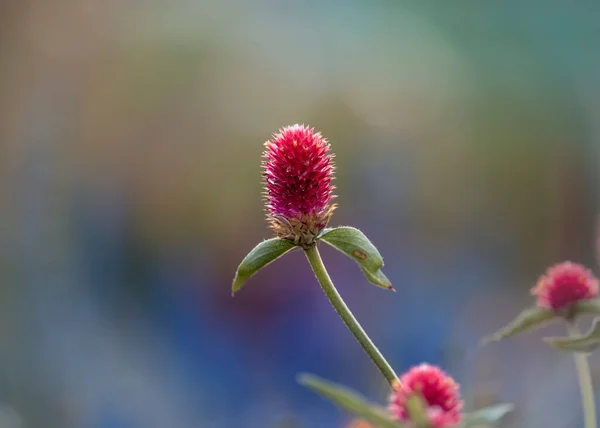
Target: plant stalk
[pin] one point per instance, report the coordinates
(585, 382)
(316, 263)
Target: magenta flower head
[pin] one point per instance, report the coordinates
(298, 174)
(564, 284)
(440, 394)
(298, 171)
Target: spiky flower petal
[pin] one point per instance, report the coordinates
(439, 392)
(298, 171)
(565, 284)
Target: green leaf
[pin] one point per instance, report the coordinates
(357, 246)
(585, 343)
(585, 307)
(417, 412)
(349, 401)
(527, 320)
(263, 254)
(487, 416)
(378, 278)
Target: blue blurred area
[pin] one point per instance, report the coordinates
(467, 148)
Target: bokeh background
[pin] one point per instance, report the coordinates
(467, 137)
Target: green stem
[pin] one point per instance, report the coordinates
(314, 258)
(585, 382)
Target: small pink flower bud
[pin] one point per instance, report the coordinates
(298, 171)
(565, 284)
(440, 394)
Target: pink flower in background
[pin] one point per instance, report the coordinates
(438, 390)
(298, 171)
(565, 284)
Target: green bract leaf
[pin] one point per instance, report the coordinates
(349, 401)
(263, 254)
(357, 246)
(487, 416)
(527, 320)
(585, 343)
(585, 307)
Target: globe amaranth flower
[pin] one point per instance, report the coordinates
(298, 171)
(564, 284)
(439, 392)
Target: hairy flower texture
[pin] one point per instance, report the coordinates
(440, 394)
(565, 284)
(298, 171)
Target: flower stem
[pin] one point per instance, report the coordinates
(585, 382)
(314, 258)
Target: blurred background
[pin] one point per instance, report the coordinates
(467, 137)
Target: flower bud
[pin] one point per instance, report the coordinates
(565, 284)
(439, 392)
(298, 171)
